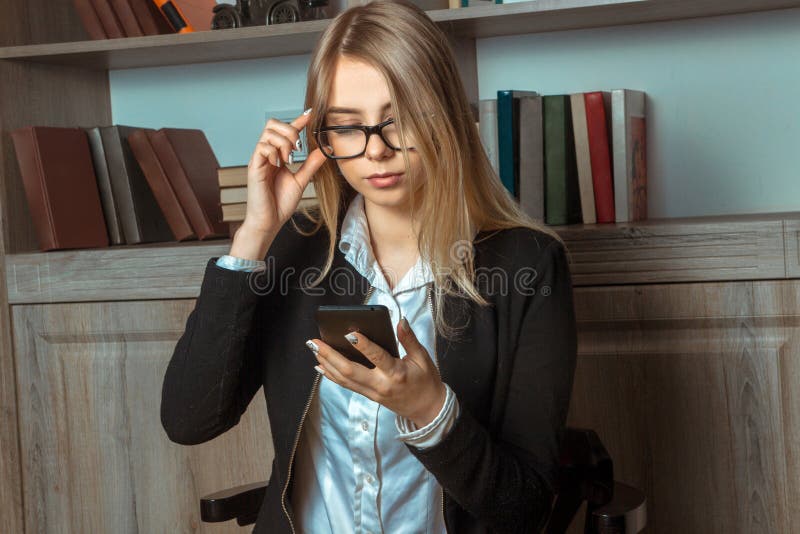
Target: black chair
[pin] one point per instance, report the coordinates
(587, 474)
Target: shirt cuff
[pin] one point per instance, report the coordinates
(435, 431)
(241, 264)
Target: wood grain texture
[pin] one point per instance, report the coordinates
(693, 389)
(669, 250)
(94, 455)
(300, 37)
(791, 236)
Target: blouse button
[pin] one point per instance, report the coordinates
(364, 426)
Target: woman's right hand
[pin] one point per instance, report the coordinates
(273, 191)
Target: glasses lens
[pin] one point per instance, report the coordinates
(342, 143)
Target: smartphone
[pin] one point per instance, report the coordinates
(372, 320)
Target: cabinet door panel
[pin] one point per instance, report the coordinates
(95, 457)
(694, 389)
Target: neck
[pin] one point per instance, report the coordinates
(390, 228)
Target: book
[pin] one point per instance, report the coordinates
(140, 141)
(108, 18)
(60, 187)
(487, 127)
(508, 137)
(531, 157)
(629, 141)
(231, 195)
(236, 175)
(107, 200)
(597, 112)
(562, 198)
(583, 158)
(191, 167)
(127, 18)
(140, 216)
(89, 19)
(236, 212)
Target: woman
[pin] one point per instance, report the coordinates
(462, 433)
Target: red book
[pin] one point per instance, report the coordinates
(109, 19)
(600, 153)
(61, 187)
(127, 18)
(89, 19)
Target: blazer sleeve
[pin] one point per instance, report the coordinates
(215, 369)
(507, 481)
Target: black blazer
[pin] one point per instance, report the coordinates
(511, 370)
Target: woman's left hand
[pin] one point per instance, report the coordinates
(411, 386)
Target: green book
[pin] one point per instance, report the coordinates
(562, 196)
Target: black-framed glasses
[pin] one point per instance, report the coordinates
(345, 142)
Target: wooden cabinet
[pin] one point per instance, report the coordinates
(688, 339)
(94, 456)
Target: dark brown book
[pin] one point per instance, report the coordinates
(61, 188)
(140, 216)
(108, 18)
(107, 199)
(127, 18)
(141, 145)
(150, 18)
(89, 19)
(191, 167)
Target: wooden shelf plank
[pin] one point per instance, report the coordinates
(717, 248)
(301, 37)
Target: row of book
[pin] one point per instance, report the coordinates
(113, 19)
(232, 183)
(115, 185)
(570, 159)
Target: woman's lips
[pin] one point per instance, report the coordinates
(386, 181)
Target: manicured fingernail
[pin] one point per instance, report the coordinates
(319, 369)
(351, 337)
(404, 324)
(279, 162)
(313, 346)
(291, 159)
(299, 144)
(306, 112)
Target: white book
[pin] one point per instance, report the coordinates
(487, 119)
(629, 143)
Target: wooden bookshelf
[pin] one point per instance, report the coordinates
(696, 249)
(299, 38)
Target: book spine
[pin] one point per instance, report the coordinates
(89, 19)
(32, 173)
(127, 18)
(108, 202)
(487, 111)
(531, 157)
(583, 158)
(597, 126)
(506, 140)
(109, 19)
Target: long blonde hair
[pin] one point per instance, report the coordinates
(430, 105)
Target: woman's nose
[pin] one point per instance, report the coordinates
(376, 148)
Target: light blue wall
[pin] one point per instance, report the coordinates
(724, 101)
(228, 101)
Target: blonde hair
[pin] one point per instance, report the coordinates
(430, 105)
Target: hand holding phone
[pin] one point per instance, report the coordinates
(371, 320)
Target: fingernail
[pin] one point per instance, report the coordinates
(404, 324)
(291, 159)
(319, 369)
(279, 162)
(351, 337)
(313, 346)
(299, 144)
(306, 112)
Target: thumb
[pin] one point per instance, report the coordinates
(306, 172)
(409, 340)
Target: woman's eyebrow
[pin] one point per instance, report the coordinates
(338, 110)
